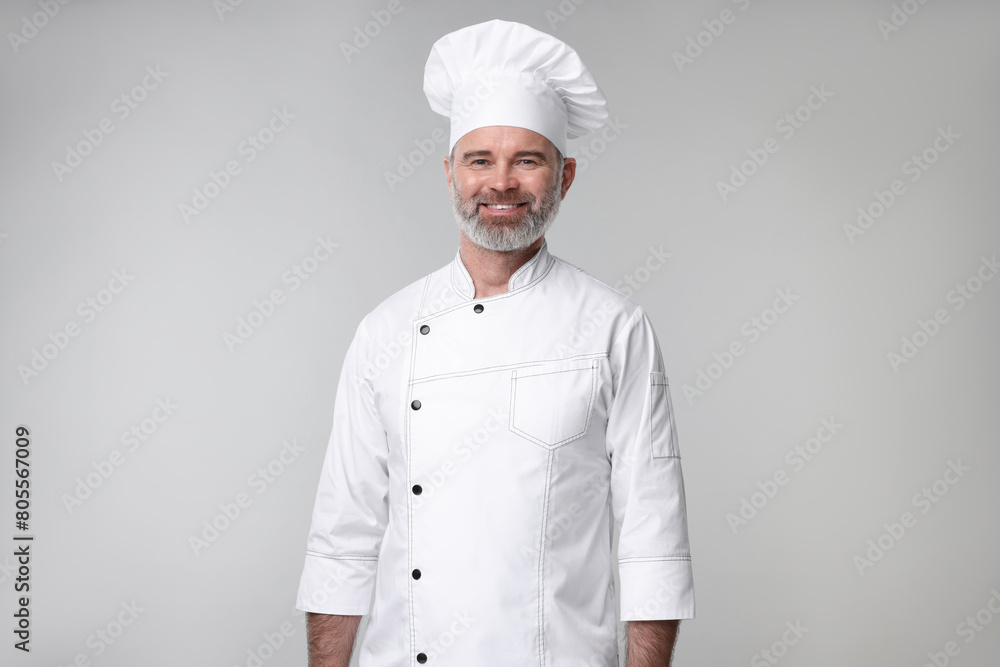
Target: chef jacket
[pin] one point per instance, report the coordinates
(484, 454)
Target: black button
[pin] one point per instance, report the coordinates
(425, 329)
(417, 489)
(421, 658)
(478, 308)
(415, 405)
(416, 574)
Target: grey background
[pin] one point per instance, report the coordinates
(677, 134)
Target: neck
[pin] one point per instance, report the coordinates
(491, 270)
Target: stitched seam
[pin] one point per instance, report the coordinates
(541, 562)
(498, 297)
(649, 559)
(544, 273)
(527, 265)
(319, 554)
(590, 407)
(524, 364)
(457, 271)
(360, 378)
(407, 489)
(653, 395)
(628, 324)
(664, 396)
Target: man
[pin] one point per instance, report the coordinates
(497, 420)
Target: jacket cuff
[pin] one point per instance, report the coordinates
(337, 584)
(655, 589)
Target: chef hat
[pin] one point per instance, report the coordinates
(504, 73)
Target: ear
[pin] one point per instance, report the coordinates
(568, 175)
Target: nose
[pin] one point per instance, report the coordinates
(503, 178)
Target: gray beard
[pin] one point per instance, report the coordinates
(507, 234)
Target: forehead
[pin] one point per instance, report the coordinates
(503, 140)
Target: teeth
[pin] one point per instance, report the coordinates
(502, 207)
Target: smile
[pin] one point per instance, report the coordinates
(502, 207)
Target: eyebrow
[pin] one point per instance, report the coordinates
(470, 155)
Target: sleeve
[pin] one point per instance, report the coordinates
(647, 488)
(351, 510)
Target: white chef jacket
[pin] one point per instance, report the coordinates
(483, 453)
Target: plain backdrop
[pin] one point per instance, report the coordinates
(834, 161)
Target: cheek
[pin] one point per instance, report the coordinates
(470, 187)
(540, 187)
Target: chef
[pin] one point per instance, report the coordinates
(503, 426)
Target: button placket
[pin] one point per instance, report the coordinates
(417, 489)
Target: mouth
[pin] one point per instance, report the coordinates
(503, 209)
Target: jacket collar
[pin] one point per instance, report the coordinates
(532, 270)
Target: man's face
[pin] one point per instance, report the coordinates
(506, 185)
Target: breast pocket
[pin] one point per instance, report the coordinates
(551, 404)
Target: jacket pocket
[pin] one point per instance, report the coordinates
(662, 427)
(551, 403)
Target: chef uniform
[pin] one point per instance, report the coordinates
(486, 451)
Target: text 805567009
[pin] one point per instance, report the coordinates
(22, 543)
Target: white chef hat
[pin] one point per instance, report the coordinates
(505, 73)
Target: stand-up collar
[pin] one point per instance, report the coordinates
(532, 270)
